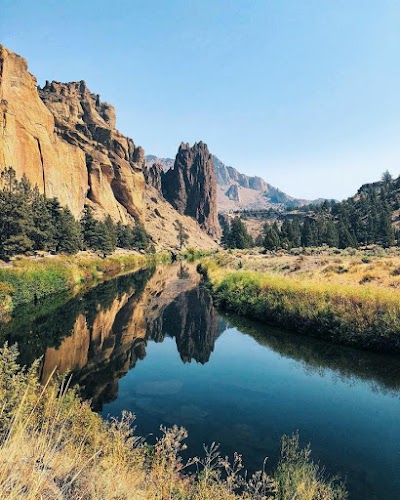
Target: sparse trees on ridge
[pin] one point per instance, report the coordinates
(362, 220)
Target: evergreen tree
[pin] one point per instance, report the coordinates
(15, 215)
(346, 239)
(332, 235)
(69, 237)
(238, 235)
(271, 237)
(307, 234)
(89, 229)
(182, 234)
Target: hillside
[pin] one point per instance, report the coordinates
(371, 216)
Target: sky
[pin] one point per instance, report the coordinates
(304, 93)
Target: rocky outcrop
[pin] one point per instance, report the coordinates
(63, 138)
(113, 163)
(227, 175)
(29, 142)
(191, 186)
(152, 175)
(233, 193)
(237, 191)
(166, 163)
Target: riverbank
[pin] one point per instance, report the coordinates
(27, 280)
(54, 446)
(352, 311)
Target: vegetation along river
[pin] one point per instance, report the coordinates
(153, 343)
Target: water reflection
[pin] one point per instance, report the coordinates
(257, 382)
(101, 334)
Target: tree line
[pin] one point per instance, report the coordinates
(361, 220)
(31, 222)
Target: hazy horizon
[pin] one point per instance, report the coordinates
(302, 94)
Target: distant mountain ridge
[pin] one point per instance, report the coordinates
(237, 191)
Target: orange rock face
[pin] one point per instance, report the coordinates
(64, 140)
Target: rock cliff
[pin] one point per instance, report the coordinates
(233, 193)
(237, 191)
(191, 186)
(29, 142)
(114, 165)
(153, 176)
(63, 138)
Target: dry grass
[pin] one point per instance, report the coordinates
(348, 298)
(373, 267)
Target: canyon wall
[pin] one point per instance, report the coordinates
(64, 140)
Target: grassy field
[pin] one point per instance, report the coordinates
(351, 297)
(28, 280)
(52, 445)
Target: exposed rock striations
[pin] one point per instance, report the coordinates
(233, 192)
(153, 176)
(64, 140)
(113, 162)
(29, 142)
(191, 186)
(237, 191)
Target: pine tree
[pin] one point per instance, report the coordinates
(238, 235)
(69, 238)
(271, 238)
(141, 238)
(182, 234)
(89, 229)
(332, 236)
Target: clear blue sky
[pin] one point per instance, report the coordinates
(305, 93)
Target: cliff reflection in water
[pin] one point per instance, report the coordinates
(102, 334)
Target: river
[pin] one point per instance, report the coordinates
(153, 343)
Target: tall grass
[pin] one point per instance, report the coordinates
(28, 280)
(52, 445)
(362, 316)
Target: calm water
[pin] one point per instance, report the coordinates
(153, 343)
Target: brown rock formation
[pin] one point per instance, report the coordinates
(152, 175)
(191, 186)
(233, 192)
(113, 162)
(28, 140)
(64, 140)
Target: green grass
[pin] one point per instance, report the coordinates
(361, 316)
(29, 280)
(191, 254)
